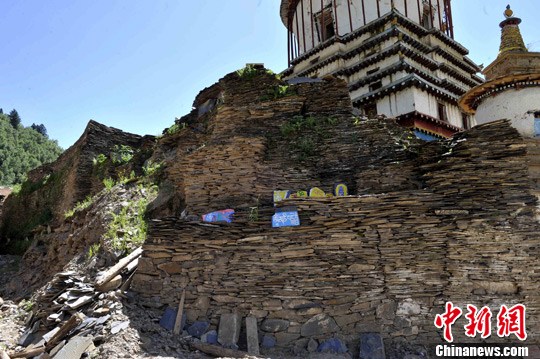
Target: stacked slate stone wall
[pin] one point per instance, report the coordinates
(426, 224)
(53, 189)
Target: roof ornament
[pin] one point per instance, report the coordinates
(508, 12)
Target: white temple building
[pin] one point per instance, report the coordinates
(398, 57)
(512, 88)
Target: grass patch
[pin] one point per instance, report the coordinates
(152, 168)
(248, 72)
(177, 127)
(278, 91)
(127, 229)
(93, 251)
(80, 206)
(306, 133)
(121, 154)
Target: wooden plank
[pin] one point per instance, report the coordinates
(73, 322)
(117, 268)
(28, 353)
(218, 352)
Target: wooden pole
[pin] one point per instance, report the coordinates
(420, 17)
(350, 14)
(378, 9)
(303, 24)
(406, 10)
(323, 29)
(117, 268)
(364, 12)
(336, 17)
(439, 12)
(312, 25)
(180, 313)
(450, 17)
(288, 44)
(431, 13)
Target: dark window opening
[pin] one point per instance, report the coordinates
(370, 110)
(537, 124)
(325, 24)
(466, 122)
(372, 71)
(375, 86)
(427, 16)
(441, 109)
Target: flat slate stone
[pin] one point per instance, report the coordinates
(75, 348)
(169, 317)
(229, 330)
(268, 341)
(318, 325)
(312, 345)
(210, 338)
(333, 345)
(198, 328)
(252, 335)
(371, 346)
(116, 327)
(275, 325)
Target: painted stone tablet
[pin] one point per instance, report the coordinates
(286, 219)
(316, 192)
(341, 190)
(225, 215)
(281, 195)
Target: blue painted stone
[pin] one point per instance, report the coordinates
(225, 215)
(333, 345)
(286, 219)
(341, 190)
(211, 337)
(169, 317)
(371, 346)
(268, 341)
(198, 328)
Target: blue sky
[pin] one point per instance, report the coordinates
(136, 65)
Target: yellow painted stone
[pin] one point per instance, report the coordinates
(316, 192)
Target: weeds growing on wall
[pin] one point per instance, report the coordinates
(80, 206)
(248, 72)
(121, 154)
(127, 229)
(176, 128)
(306, 133)
(278, 91)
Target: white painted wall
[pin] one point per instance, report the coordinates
(397, 103)
(516, 105)
(426, 103)
(306, 31)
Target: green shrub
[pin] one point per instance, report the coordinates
(248, 72)
(121, 154)
(80, 206)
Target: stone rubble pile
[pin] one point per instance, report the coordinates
(73, 312)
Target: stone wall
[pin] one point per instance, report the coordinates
(427, 223)
(53, 189)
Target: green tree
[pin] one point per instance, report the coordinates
(23, 149)
(14, 118)
(40, 129)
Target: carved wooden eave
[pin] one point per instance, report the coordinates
(427, 124)
(400, 20)
(411, 80)
(403, 65)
